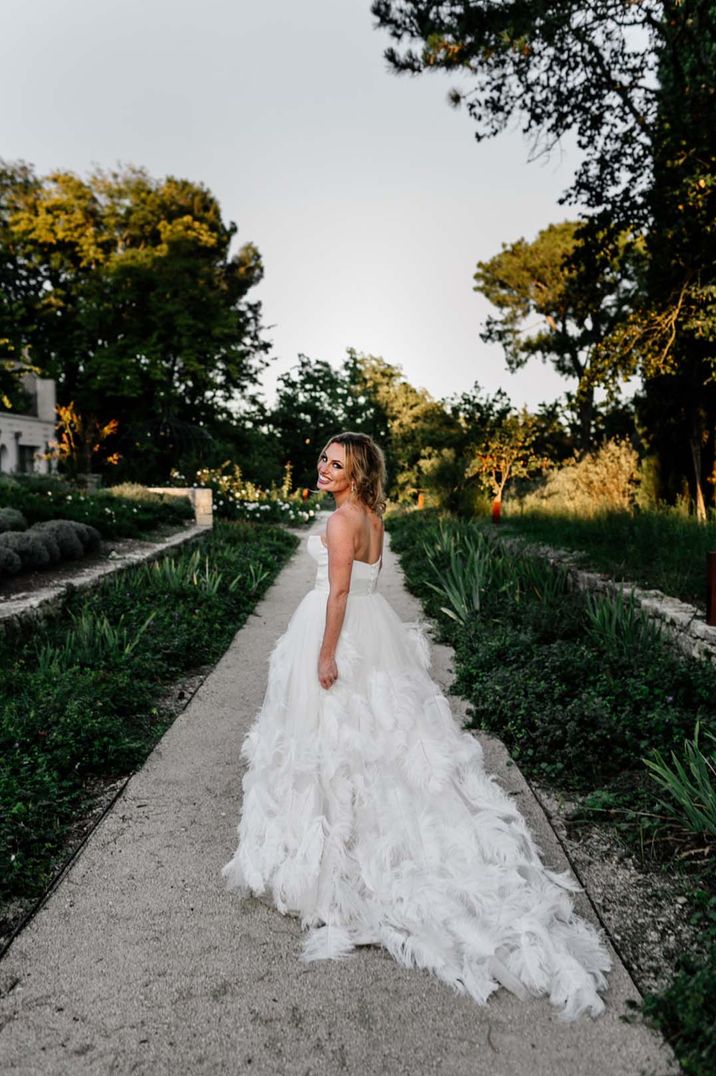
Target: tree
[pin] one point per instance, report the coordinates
(81, 438)
(408, 422)
(310, 407)
(369, 395)
(550, 310)
(636, 84)
(557, 68)
(137, 306)
(506, 451)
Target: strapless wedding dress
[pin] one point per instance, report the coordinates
(368, 814)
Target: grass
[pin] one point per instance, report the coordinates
(661, 549)
(590, 700)
(80, 696)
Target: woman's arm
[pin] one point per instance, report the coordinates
(339, 539)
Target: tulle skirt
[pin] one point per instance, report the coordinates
(368, 814)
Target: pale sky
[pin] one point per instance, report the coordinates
(366, 194)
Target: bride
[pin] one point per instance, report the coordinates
(366, 809)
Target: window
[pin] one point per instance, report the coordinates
(26, 458)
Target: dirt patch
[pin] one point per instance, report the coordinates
(645, 910)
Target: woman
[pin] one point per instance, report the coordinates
(367, 811)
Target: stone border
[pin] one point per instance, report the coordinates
(35, 606)
(684, 623)
(202, 500)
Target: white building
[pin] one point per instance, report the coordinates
(23, 436)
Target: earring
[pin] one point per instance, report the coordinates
(353, 487)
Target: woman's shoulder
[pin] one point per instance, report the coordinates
(354, 516)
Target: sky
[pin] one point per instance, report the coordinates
(367, 195)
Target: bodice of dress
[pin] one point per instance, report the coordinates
(364, 577)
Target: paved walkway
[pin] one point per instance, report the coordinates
(142, 962)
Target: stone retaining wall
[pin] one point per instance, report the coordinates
(35, 605)
(684, 623)
(201, 500)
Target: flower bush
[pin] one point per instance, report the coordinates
(237, 498)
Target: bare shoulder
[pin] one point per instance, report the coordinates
(339, 525)
(340, 531)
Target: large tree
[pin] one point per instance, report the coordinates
(636, 84)
(548, 309)
(369, 395)
(136, 303)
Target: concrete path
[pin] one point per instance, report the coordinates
(142, 962)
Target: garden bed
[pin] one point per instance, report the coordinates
(122, 512)
(86, 696)
(660, 549)
(31, 582)
(581, 692)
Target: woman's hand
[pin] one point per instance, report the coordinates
(327, 670)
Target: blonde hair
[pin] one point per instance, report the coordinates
(365, 466)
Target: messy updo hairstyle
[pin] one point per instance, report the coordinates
(365, 467)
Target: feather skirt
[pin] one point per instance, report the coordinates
(368, 814)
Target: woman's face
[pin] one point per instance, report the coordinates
(332, 475)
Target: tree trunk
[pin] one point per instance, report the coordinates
(586, 418)
(496, 509)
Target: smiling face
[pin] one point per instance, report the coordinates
(332, 476)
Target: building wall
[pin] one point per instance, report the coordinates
(22, 437)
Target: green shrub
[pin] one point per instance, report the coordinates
(617, 624)
(65, 534)
(581, 689)
(41, 498)
(50, 543)
(10, 563)
(88, 535)
(605, 480)
(12, 520)
(237, 498)
(689, 782)
(29, 548)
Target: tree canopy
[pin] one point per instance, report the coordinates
(129, 295)
(636, 84)
(549, 309)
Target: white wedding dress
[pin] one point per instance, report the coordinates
(368, 814)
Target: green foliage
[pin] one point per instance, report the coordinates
(235, 497)
(10, 563)
(663, 548)
(130, 297)
(581, 693)
(690, 784)
(80, 695)
(12, 520)
(462, 573)
(639, 98)
(42, 498)
(28, 547)
(548, 310)
(506, 451)
(685, 1012)
(618, 625)
(602, 480)
(575, 705)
